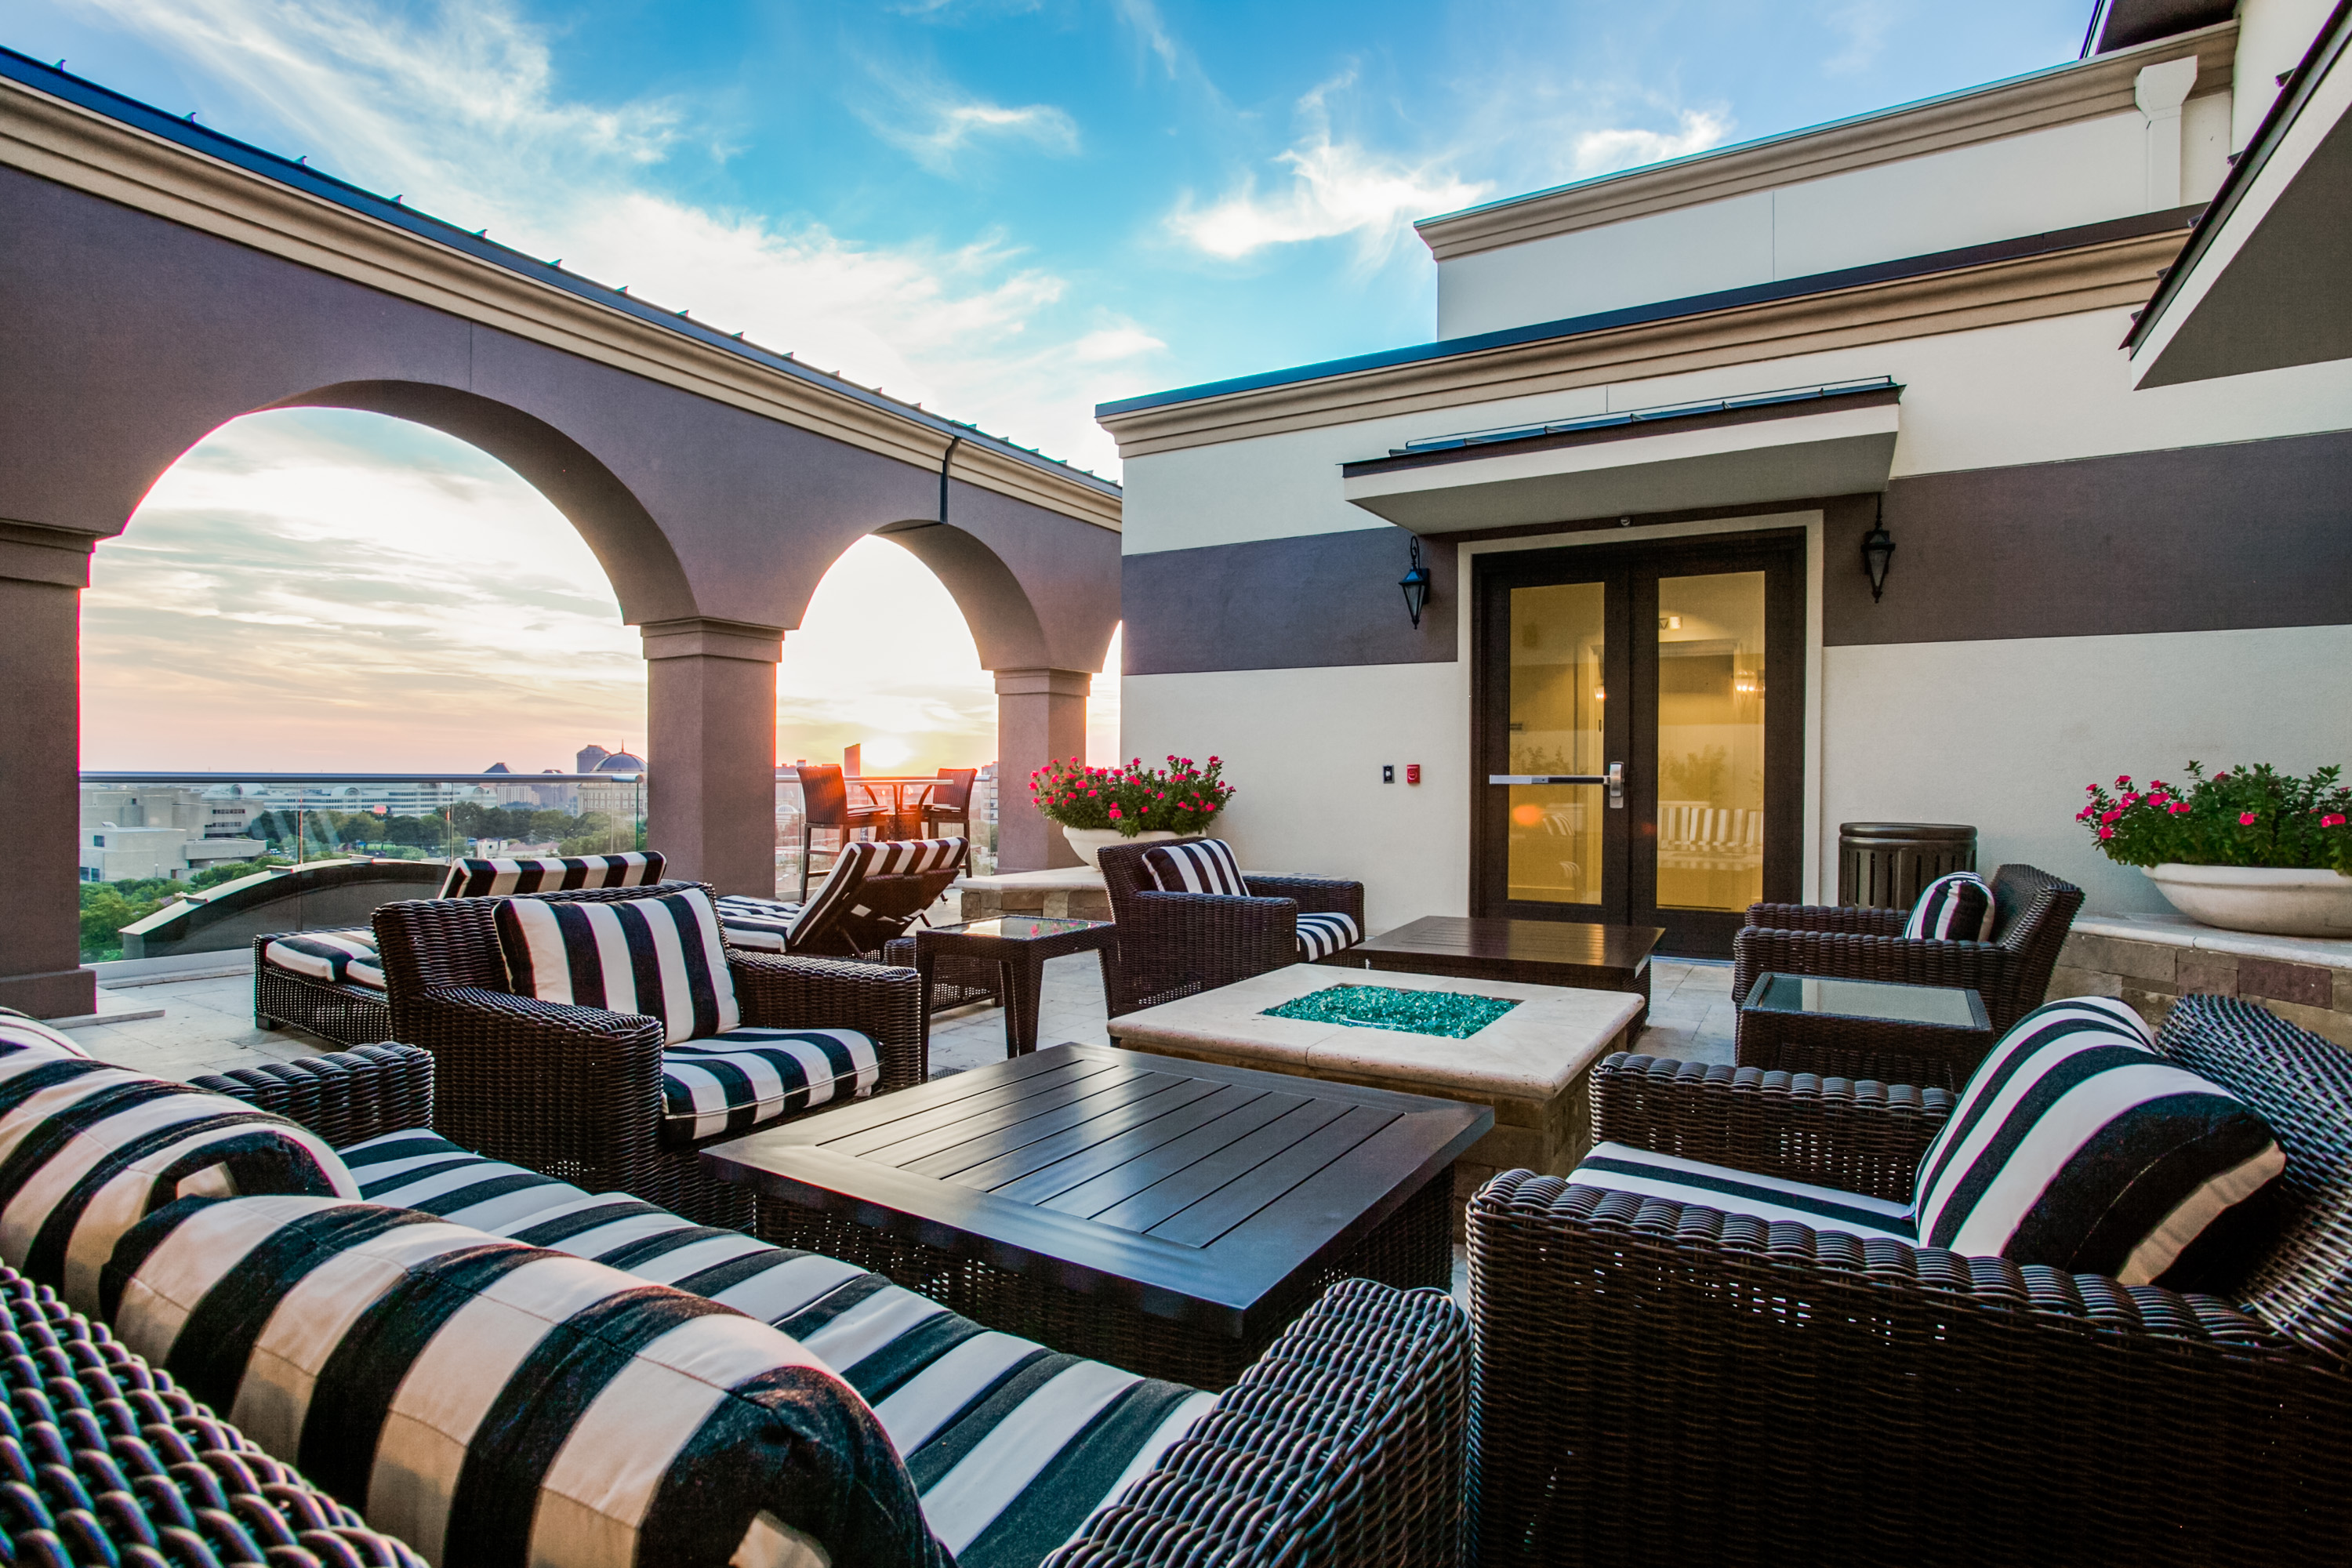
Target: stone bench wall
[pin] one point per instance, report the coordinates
(2308, 983)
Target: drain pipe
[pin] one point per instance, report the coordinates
(944, 461)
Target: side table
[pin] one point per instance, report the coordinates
(1933, 1035)
(1019, 946)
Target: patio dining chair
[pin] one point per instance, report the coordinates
(825, 806)
(951, 801)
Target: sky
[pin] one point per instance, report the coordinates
(1009, 210)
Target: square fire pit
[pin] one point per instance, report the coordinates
(1451, 1014)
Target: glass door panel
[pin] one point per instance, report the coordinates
(1711, 751)
(1557, 698)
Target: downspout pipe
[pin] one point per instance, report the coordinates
(950, 458)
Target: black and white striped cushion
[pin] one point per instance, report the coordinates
(762, 925)
(21, 1033)
(1321, 934)
(1195, 866)
(338, 957)
(996, 1430)
(659, 956)
(86, 1150)
(913, 857)
(471, 879)
(2076, 1146)
(838, 894)
(499, 1404)
(749, 1077)
(1956, 908)
(1622, 1168)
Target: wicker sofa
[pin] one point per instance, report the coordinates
(576, 1092)
(1664, 1382)
(1345, 1444)
(2032, 912)
(1179, 945)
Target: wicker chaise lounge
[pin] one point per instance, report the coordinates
(1174, 944)
(1663, 1382)
(577, 1092)
(2032, 912)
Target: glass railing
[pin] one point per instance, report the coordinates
(174, 863)
(790, 816)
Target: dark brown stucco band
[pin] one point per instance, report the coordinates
(2222, 538)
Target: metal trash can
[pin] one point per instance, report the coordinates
(1883, 865)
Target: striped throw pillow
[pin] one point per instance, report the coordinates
(496, 1403)
(1195, 866)
(2076, 1145)
(1956, 907)
(469, 878)
(87, 1150)
(19, 1032)
(661, 957)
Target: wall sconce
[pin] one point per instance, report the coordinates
(1415, 583)
(1877, 548)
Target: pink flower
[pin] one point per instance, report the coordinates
(2106, 833)
(1114, 814)
(2333, 819)
(2109, 814)
(2247, 818)
(2179, 808)
(2123, 781)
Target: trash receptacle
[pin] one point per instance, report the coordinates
(1883, 865)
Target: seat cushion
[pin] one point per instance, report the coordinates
(835, 896)
(913, 857)
(660, 956)
(1013, 1448)
(1321, 934)
(762, 925)
(1622, 1168)
(471, 879)
(20, 1033)
(2076, 1145)
(337, 957)
(744, 1078)
(1955, 908)
(87, 1150)
(1194, 865)
(494, 1402)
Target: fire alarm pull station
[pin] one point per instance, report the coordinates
(1412, 773)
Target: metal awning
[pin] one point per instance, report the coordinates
(2263, 281)
(1800, 444)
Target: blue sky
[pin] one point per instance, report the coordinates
(1011, 211)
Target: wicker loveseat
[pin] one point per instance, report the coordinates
(2032, 912)
(1344, 1443)
(1665, 1383)
(1179, 945)
(576, 1092)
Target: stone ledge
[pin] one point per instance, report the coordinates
(2151, 961)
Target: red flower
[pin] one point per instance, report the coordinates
(2247, 819)
(2109, 814)
(2123, 781)
(2106, 833)
(2333, 820)
(2177, 808)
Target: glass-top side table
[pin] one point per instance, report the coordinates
(1932, 1035)
(1019, 946)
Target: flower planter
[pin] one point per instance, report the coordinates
(1088, 841)
(2259, 899)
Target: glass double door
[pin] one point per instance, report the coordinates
(1638, 734)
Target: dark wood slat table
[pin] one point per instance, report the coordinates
(1168, 1217)
(1574, 953)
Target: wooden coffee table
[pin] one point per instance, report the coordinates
(1538, 953)
(1168, 1217)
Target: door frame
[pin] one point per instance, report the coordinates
(1633, 568)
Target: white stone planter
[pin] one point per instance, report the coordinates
(1087, 841)
(2259, 898)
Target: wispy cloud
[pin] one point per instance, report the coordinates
(932, 120)
(1143, 18)
(1862, 26)
(1335, 188)
(1627, 147)
(458, 110)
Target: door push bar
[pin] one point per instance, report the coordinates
(1614, 778)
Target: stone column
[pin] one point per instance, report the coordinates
(42, 574)
(1041, 715)
(710, 751)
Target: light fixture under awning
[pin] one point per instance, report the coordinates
(1833, 442)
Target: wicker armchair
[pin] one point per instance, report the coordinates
(1666, 1383)
(576, 1092)
(2032, 912)
(1179, 945)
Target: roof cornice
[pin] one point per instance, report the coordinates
(2079, 90)
(328, 230)
(2115, 271)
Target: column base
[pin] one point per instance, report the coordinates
(59, 994)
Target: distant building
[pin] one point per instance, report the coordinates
(111, 853)
(588, 758)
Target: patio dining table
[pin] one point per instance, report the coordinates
(901, 798)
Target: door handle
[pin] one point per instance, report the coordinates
(1546, 778)
(1615, 779)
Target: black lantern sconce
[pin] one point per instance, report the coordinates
(1415, 583)
(1877, 549)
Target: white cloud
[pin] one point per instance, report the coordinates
(1862, 25)
(1696, 131)
(1335, 188)
(1144, 17)
(932, 121)
(457, 109)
